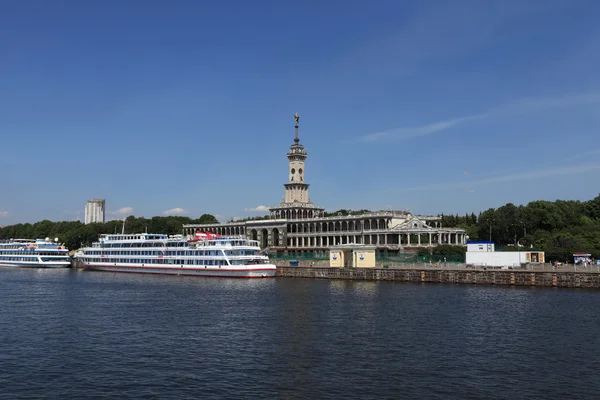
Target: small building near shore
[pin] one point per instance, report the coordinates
(480, 245)
(483, 254)
(582, 258)
(352, 256)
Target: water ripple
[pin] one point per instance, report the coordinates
(71, 335)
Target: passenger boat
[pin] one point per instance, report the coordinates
(204, 254)
(38, 253)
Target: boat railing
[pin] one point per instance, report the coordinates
(17, 241)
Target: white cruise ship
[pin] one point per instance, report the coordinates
(204, 254)
(39, 253)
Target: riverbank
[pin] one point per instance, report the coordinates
(571, 279)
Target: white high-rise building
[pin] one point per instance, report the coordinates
(94, 211)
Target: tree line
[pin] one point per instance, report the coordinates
(75, 234)
(558, 228)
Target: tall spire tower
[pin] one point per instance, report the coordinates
(296, 189)
(296, 202)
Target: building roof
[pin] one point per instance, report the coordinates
(353, 246)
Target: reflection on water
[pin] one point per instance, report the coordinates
(359, 288)
(338, 286)
(74, 334)
(365, 289)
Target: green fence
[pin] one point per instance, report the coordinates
(306, 255)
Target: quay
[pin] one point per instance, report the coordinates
(449, 275)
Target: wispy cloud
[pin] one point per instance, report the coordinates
(584, 154)
(542, 103)
(122, 211)
(3, 213)
(175, 211)
(226, 218)
(405, 133)
(534, 174)
(522, 106)
(432, 33)
(119, 214)
(257, 209)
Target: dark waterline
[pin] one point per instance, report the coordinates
(68, 334)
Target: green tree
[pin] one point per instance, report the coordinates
(75, 234)
(592, 209)
(206, 219)
(448, 250)
(486, 225)
(423, 251)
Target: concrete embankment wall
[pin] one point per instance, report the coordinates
(481, 277)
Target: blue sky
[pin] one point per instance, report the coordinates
(187, 106)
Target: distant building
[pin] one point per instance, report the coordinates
(94, 211)
(297, 225)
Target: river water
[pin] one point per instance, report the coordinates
(68, 334)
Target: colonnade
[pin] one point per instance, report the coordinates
(297, 213)
(317, 234)
(400, 239)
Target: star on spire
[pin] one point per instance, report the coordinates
(296, 121)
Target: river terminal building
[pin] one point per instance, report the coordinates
(297, 225)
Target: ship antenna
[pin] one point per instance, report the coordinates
(123, 228)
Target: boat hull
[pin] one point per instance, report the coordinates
(34, 265)
(262, 271)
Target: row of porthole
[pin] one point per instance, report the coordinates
(115, 264)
